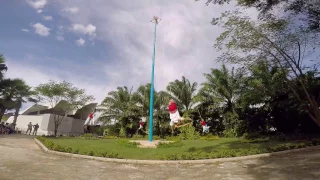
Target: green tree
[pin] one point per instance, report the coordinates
(306, 10)
(247, 42)
(222, 86)
(142, 99)
(183, 92)
(120, 107)
(3, 66)
(63, 97)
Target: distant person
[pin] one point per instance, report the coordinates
(35, 129)
(29, 128)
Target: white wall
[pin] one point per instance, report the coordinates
(23, 121)
(68, 126)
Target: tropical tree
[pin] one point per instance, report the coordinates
(120, 107)
(63, 97)
(307, 11)
(183, 92)
(278, 43)
(142, 99)
(22, 94)
(3, 66)
(222, 86)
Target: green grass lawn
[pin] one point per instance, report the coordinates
(191, 149)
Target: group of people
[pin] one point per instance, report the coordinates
(35, 128)
(176, 119)
(4, 129)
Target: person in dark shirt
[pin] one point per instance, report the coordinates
(35, 129)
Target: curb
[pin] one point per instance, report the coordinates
(202, 161)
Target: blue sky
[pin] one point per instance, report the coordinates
(101, 44)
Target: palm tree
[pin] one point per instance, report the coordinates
(183, 92)
(15, 93)
(222, 86)
(3, 66)
(119, 106)
(142, 99)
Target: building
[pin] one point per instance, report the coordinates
(71, 124)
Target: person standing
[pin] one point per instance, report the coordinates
(35, 129)
(29, 128)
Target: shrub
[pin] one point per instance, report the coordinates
(169, 145)
(287, 146)
(110, 137)
(68, 150)
(252, 135)
(88, 136)
(315, 142)
(91, 153)
(58, 148)
(209, 137)
(257, 140)
(188, 133)
(76, 151)
(230, 133)
(127, 143)
(46, 142)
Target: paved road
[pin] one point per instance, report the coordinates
(21, 158)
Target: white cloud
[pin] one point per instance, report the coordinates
(37, 4)
(47, 18)
(34, 74)
(80, 28)
(25, 30)
(71, 10)
(185, 38)
(80, 42)
(41, 30)
(184, 46)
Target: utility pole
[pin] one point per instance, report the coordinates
(155, 20)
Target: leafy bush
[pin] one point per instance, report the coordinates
(127, 143)
(76, 151)
(69, 150)
(257, 140)
(185, 156)
(46, 142)
(91, 153)
(188, 133)
(173, 138)
(251, 135)
(88, 136)
(287, 146)
(58, 148)
(169, 145)
(209, 137)
(230, 133)
(99, 130)
(315, 142)
(110, 137)
(112, 130)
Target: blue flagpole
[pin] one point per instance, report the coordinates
(152, 82)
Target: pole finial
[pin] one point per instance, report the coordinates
(155, 19)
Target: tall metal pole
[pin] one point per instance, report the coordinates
(155, 20)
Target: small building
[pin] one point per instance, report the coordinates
(72, 123)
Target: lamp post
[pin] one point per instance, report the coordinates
(155, 20)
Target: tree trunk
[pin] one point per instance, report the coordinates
(2, 111)
(16, 114)
(55, 129)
